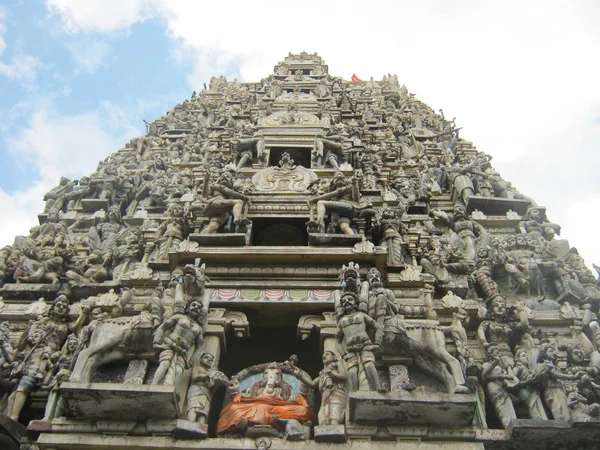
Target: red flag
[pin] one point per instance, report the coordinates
(355, 78)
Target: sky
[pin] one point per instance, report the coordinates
(78, 77)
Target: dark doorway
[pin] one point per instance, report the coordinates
(301, 156)
(279, 232)
(267, 344)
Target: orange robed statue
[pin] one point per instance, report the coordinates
(263, 403)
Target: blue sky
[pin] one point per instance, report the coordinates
(120, 78)
(77, 77)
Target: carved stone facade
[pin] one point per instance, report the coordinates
(292, 263)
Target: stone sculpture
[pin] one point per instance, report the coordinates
(177, 339)
(43, 338)
(203, 384)
(225, 206)
(343, 202)
(263, 403)
(331, 382)
(357, 332)
(466, 295)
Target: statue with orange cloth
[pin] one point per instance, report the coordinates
(266, 402)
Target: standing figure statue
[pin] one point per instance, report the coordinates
(497, 381)
(203, 384)
(528, 386)
(552, 382)
(178, 340)
(393, 236)
(460, 176)
(356, 333)
(42, 339)
(332, 385)
(6, 358)
(63, 363)
(499, 333)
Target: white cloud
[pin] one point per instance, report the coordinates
(21, 67)
(89, 54)
(3, 17)
(64, 145)
(519, 76)
(99, 16)
(57, 145)
(20, 210)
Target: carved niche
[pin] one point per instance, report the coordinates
(286, 178)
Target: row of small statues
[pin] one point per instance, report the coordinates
(532, 262)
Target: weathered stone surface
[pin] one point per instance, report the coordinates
(190, 430)
(497, 206)
(95, 401)
(219, 240)
(11, 432)
(330, 433)
(333, 240)
(412, 408)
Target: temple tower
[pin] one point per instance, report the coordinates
(291, 263)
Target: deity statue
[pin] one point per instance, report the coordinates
(533, 225)
(126, 252)
(90, 269)
(529, 385)
(429, 350)
(465, 228)
(204, 381)
(264, 403)
(503, 328)
(504, 189)
(483, 276)
(552, 381)
(331, 382)
(357, 332)
(42, 339)
(170, 234)
(6, 357)
(497, 380)
(393, 235)
(225, 206)
(178, 341)
(248, 148)
(62, 366)
(328, 149)
(343, 200)
(54, 198)
(460, 175)
(103, 236)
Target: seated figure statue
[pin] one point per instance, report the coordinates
(269, 401)
(343, 201)
(223, 204)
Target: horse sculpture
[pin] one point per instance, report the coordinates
(127, 338)
(421, 340)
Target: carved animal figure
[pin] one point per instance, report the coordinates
(126, 338)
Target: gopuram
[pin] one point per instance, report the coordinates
(303, 262)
